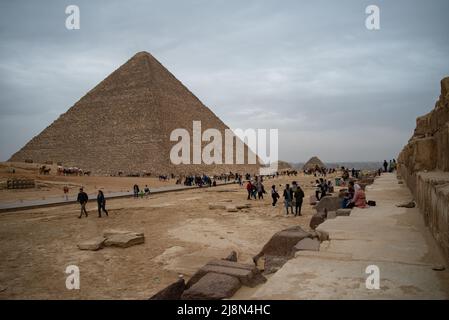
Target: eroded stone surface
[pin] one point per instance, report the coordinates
(212, 286)
(247, 274)
(282, 242)
(172, 292)
(308, 244)
(92, 244)
(330, 203)
(317, 219)
(343, 212)
(124, 240)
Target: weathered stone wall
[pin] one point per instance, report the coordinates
(424, 165)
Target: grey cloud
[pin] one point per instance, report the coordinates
(308, 68)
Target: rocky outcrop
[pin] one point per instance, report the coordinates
(424, 165)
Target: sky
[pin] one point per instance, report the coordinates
(310, 69)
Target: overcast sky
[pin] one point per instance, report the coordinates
(309, 68)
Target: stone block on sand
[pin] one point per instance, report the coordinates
(124, 240)
(172, 292)
(330, 203)
(282, 242)
(213, 286)
(111, 232)
(92, 244)
(247, 274)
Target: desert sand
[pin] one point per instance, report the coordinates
(181, 234)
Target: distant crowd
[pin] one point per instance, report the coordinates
(293, 195)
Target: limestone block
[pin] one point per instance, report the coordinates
(424, 154)
(282, 242)
(172, 292)
(248, 275)
(124, 240)
(92, 244)
(213, 286)
(308, 244)
(317, 219)
(343, 212)
(329, 202)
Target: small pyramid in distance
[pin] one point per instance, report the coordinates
(124, 123)
(312, 163)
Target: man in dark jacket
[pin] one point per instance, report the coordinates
(299, 196)
(82, 199)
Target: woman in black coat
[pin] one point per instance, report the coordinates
(101, 200)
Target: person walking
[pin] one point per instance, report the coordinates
(385, 166)
(288, 197)
(66, 193)
(274, 195)
(260, 190)
(101, 200)
(82, 199)
(249, 188)
(299, 196)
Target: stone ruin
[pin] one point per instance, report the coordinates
(424, 166)
(218, 279)
(221, 279)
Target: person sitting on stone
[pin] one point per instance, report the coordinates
(349, 196)
(359, 199)
(147, 190)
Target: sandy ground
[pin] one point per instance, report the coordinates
(51, 186)
(181, 233)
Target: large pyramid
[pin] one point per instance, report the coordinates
(124, 124)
